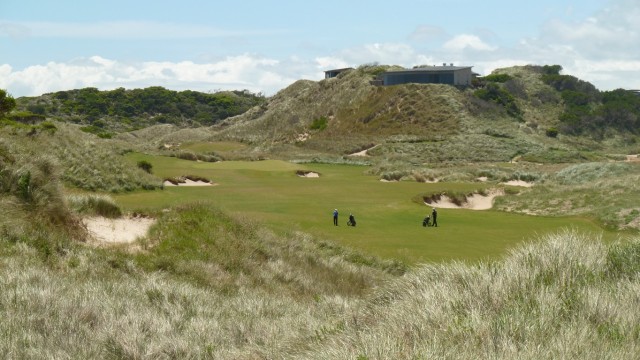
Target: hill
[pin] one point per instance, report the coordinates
(514, 112)
(119, 110)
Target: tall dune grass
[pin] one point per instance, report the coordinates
(94, 204)
(213, 287)
(567, 297)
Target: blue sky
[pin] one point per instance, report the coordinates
(264, 46)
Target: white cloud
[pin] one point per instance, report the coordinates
(387, 53)
(467, 41)
(232, 73)
(330, 62)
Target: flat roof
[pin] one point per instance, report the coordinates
(338, 70)
(429, 69)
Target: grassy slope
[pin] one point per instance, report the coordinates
(415, 123)
(212, 286)
(565, 297)
(85, 161)
(243, 293)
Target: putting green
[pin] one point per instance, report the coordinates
(389, 222)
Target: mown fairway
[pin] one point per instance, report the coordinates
(389, 221)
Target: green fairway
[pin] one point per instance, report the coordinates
(219, 146)
(389, 222)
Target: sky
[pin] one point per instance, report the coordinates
(264, 46)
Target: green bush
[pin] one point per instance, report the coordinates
(319, 123)
(552, 132)
(499, 78)
(494, 93)
(145, 165)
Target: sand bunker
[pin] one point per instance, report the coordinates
(473, 202)
(188, 182)
(518, 183)
(307, 174)
(122, 230)
(632, 157)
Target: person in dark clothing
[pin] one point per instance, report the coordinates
(434, 217)
(352, 220)
(425, 221)
(335, 217)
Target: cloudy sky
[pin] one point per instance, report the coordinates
(265, 45)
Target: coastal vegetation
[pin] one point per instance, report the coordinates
(249, 266)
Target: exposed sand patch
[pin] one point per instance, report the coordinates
(114, 231)
(363, 152)
(632, 157)
(518, 183)
(188, 182)
(302, 137)
(307, 174)
(474, 202)
(482, 178)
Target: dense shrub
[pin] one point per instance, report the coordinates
(319, 123)
(129, 109)
(499, 78)
(492, 92)
(145, 165)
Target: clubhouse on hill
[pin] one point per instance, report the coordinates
(445, 74)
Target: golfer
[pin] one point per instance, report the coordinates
(335, 217)
(434, 217)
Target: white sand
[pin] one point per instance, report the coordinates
(123, 230)
(363, 152)
(632, 157)
(474, 202)
(309, 175)
(518, 183)
(188, 182)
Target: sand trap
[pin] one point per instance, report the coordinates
(518, 183)
(632, 157)
(122, 230)
(188, 182)
(482, 178)
(474, 202)
(307, 174)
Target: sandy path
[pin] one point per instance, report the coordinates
(122, 230)
(363, 152)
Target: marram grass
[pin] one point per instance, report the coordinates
(565, 296)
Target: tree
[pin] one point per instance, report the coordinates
(7, 103)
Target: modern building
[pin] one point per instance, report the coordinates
(445, 74)
(333, 73)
